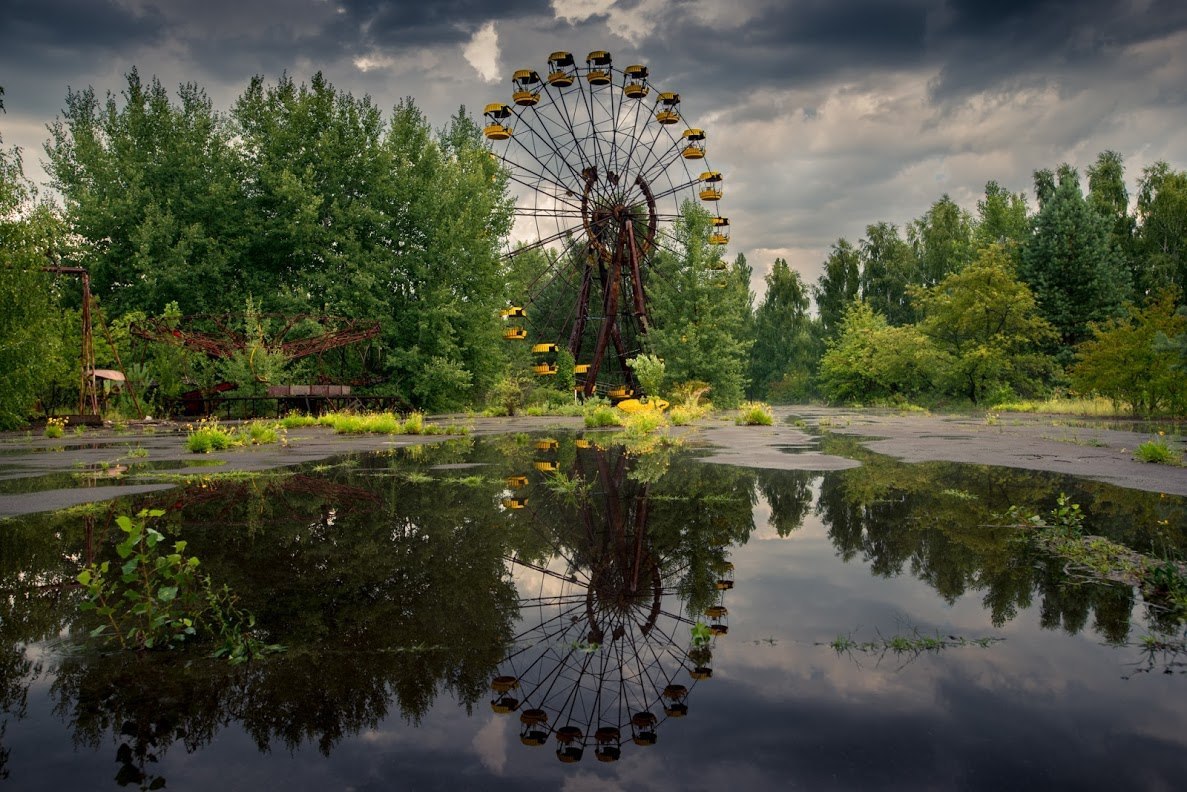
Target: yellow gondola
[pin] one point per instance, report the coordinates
(496, 114)
(581, 368)
(512, 312)
(620, 393)
(608, 744)
(527, 88)
(560, 69)
(543, 349)
(643, 728)
(712, 189)
(721, 231)
(516, 482)
(668, 114)
(694, 144)
(544, 369)
(636, 82)
(534, 731)
(597, 65)
(515, 334)
(514, 503)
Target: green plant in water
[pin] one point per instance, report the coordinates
(156, 599)
(1066, 516)
(701, 634)
(1156, 451)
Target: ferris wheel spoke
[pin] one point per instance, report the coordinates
(548, 142)
(545, 241)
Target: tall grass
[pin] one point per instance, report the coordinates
(1096, 407)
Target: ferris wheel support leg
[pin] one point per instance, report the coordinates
(582, 314)
(611, 309)
(636, 277)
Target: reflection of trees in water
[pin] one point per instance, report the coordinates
(390, 590)
(790, 496)
(620, 595)
(943, 524)
(386, 595)
(37, 600)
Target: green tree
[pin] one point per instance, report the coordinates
(1002, 219)
(30, 232)
(872, 361)
(984, 323)
(155, 192)
(1161, 258)
(1123, 362)
(1107, 194)
(785, 348)
(942, 241)
(445, 285)
(1070, 264)
(887, 270)
(837, 287)
(699, 308)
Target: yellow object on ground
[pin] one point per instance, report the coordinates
(637, 405)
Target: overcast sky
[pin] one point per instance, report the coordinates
(824, 115)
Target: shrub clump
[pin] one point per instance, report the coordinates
(754, 414)
(600, 413)
(1157, 451)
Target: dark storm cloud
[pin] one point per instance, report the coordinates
(46, 45)
(972, 46)
(428, 23)
(68, 27)
(990, 45)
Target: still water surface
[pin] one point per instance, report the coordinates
(675, 624)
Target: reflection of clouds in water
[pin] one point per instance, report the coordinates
(490, 743)
(533, 583)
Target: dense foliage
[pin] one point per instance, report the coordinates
(304, 199)
(978, 308)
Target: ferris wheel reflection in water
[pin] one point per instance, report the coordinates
(612, 640)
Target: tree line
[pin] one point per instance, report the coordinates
(1084, 294)
(304, 199)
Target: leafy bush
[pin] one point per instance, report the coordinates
(649, 371)
(1123, 363)
(600, 413)
(414, 424)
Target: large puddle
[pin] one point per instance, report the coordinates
(462, 616)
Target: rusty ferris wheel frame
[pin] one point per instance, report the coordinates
(602, 161)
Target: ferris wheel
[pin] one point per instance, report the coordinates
(602, 164)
